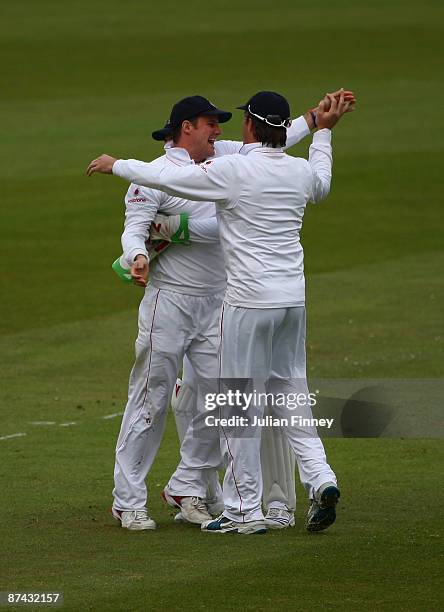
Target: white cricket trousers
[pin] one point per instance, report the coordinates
(267, 346)
(170, 325)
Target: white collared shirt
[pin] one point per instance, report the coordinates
(261, 197)
(194, 269)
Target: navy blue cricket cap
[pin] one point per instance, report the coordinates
(189, 108)
(269, 107)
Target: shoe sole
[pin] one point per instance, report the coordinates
(248, 530)
(276, 525)
(255, 532)
(235, 531)
(326, 515)
(138, 528)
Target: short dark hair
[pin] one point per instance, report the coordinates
(176, 131)
(268, 135)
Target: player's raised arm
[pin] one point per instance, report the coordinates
(320, 160)
(320, 153)
(298, 130)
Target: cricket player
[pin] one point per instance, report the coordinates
(263, 315)
(178, 314)
(277, 459)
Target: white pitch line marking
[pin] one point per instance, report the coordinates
(42, 422)
(17, 435)
(67, 424)
(112, 416)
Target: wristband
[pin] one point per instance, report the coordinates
(120, 267)
(313, 116)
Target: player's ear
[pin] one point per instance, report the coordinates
(248, 124)
(186, 126)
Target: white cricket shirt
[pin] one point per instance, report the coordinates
(261, 197)
(196, 269)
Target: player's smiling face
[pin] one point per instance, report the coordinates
(203, 137)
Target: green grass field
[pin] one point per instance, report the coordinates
(83, 78)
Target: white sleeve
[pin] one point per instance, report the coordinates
(203, 230)
(227, 147)
(320, 159)
(141, 207)
(297, 131)
(212, 181)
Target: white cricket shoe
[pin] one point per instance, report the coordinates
(134, 520)
(225, 525)
(214, 508)
(192, 509)
(279, 518)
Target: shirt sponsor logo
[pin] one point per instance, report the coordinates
(135, 200)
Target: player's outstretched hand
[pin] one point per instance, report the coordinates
(103, 164)
(140, 270)
(329, 118)
(311, 115)
(349, 97)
